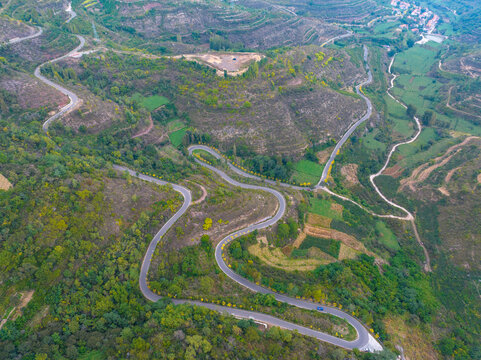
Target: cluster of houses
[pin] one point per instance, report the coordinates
(421, 19)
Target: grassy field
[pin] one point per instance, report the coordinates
(276, 258)
(420, 91)
(386, 28)
(307, 171)
(386, 236)
(329, 246)
(177, 136)
(371, 143)
(401, 123)
(152, 102)
(325, 208)
(175, 125)
(416, 60)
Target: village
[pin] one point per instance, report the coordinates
(420, 19)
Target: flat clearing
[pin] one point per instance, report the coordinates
(276, 258)
(318, 220)
(4, 183)
(416, 60)
(177, 136)
(371, 143)
(325, 208)
(151, 102)
(386, 236)
(329, 246)
(349, 171)
(306, 171)
(175, 125)
(233, 63)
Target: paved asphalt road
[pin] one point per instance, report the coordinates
(17, 40)
(363, 342)
(349, 132)
(72, 96)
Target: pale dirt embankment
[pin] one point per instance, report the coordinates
(4, 183)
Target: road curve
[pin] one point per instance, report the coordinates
(17, 40)
(372, 177)
(364, 341)
(73, 98)
(327, 168)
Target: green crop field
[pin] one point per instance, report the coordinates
(386, 236)
(397, 114)
(386, 27)
(175, 124)
(323, 207)
(419, 91)
(307, 171)
(152, 102)
(371, 143)
(416, 60)
(177, 136)
(329, 246)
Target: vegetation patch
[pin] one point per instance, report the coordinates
(386, 236)
(325, 208)
(318, 220)
(306, 171)
(276, 258)
(177, 136)
(151, 102)
(329, 246)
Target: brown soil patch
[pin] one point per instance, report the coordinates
(147, 130)
(234, 63)
(299, 240)
(202, 197)
(444, 191)
(479, 178)
(294, 82)
(416, 344)
(318, 220)
(4, 183)
(394, 171)
(422, 172)
(349, 171)
(450, 174)
(11, 29)
(323, 155)
(24, 300)
(337, 208)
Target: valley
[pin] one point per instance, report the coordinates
(326, 179)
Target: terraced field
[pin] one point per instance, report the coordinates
(346, 10)
(185, 26)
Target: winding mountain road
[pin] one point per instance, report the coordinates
(363, 342)
(73, 98)
(17, 40)
(327, 167)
